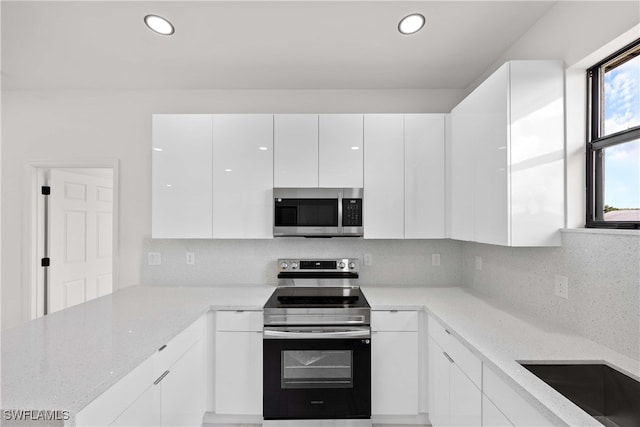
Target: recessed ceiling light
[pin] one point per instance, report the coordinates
(159, 24)
(355, 147)
(411, 24)
(263, 148)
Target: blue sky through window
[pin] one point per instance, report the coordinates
(621, 112)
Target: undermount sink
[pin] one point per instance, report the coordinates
(609, 396)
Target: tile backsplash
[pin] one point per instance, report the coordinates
(253, 262)
(603, 271)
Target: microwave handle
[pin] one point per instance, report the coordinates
(340, 212)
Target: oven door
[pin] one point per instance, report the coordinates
(316, 373)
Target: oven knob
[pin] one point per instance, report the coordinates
(341, 264)
(352, 265)
(294, 265)
(284, 265)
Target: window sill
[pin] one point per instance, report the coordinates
(615, 231)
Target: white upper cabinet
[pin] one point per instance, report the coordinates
(243, 176)
(404, 174)
(341, 150)
(424, 176)
(384, 176)
(181, 175)
(295, 157)
(507, 165)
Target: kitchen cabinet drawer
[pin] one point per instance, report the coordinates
(510, 403)
(240, 320)
(463, 357)
(492, 416)
(174, 349)
(394, 320)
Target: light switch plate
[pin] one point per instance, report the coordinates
(478, 263)
(368, 259)
(562, 286)
(435, 260)
(191, 258)
(154, 258)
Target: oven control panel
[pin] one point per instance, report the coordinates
(351, 265)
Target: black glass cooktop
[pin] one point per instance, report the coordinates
(316, 297)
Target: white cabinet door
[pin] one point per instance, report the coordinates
(384, 176)
(145, 411)
(183, 389)
(424, 176)
(507, 157)
(491, 415)
(439, 386)
(243, 176)
(490, 139)
(181, 176)
(238, 372)
(295, 145)
(462, 173)
(465, 403)
(394, 373)
(341, 150)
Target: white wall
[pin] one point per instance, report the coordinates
(73, 125)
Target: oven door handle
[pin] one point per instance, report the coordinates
(270, 333)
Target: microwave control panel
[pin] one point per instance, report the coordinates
(352, 212)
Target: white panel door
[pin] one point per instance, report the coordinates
(341, 150)
(145, 411)
(424, 170)
(80, 219)
(384, 176)
(465, 399)
(439, 385)
(295, 146)
(243, 176)
(490, 103)
(394, 373)
(238, 373)
(183, 389)
(181, 179)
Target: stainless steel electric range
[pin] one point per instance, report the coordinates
(317, 346)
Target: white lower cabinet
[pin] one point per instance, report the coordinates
(238, 363)
(508, 401)
(394, 363)
(455, 396)
(175, 397)
(145, 411)
(492, 416)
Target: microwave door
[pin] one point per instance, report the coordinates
(305, 217)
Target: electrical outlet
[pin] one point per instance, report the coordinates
(368, 259)
(191, 258)
(435, 260)
(562, 286)
(478, 263)
(154, 258)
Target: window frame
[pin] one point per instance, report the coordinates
(597, 143)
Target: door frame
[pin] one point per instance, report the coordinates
(34, 215)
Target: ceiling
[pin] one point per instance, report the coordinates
(257, 44)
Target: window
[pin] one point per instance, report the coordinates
(613, 146)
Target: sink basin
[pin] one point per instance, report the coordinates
(607, 395)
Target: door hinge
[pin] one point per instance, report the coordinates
(46, 190)
(45, 262)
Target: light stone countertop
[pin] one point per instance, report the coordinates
(501, 338)
(67, 359)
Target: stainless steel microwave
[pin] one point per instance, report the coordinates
(317, 212)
